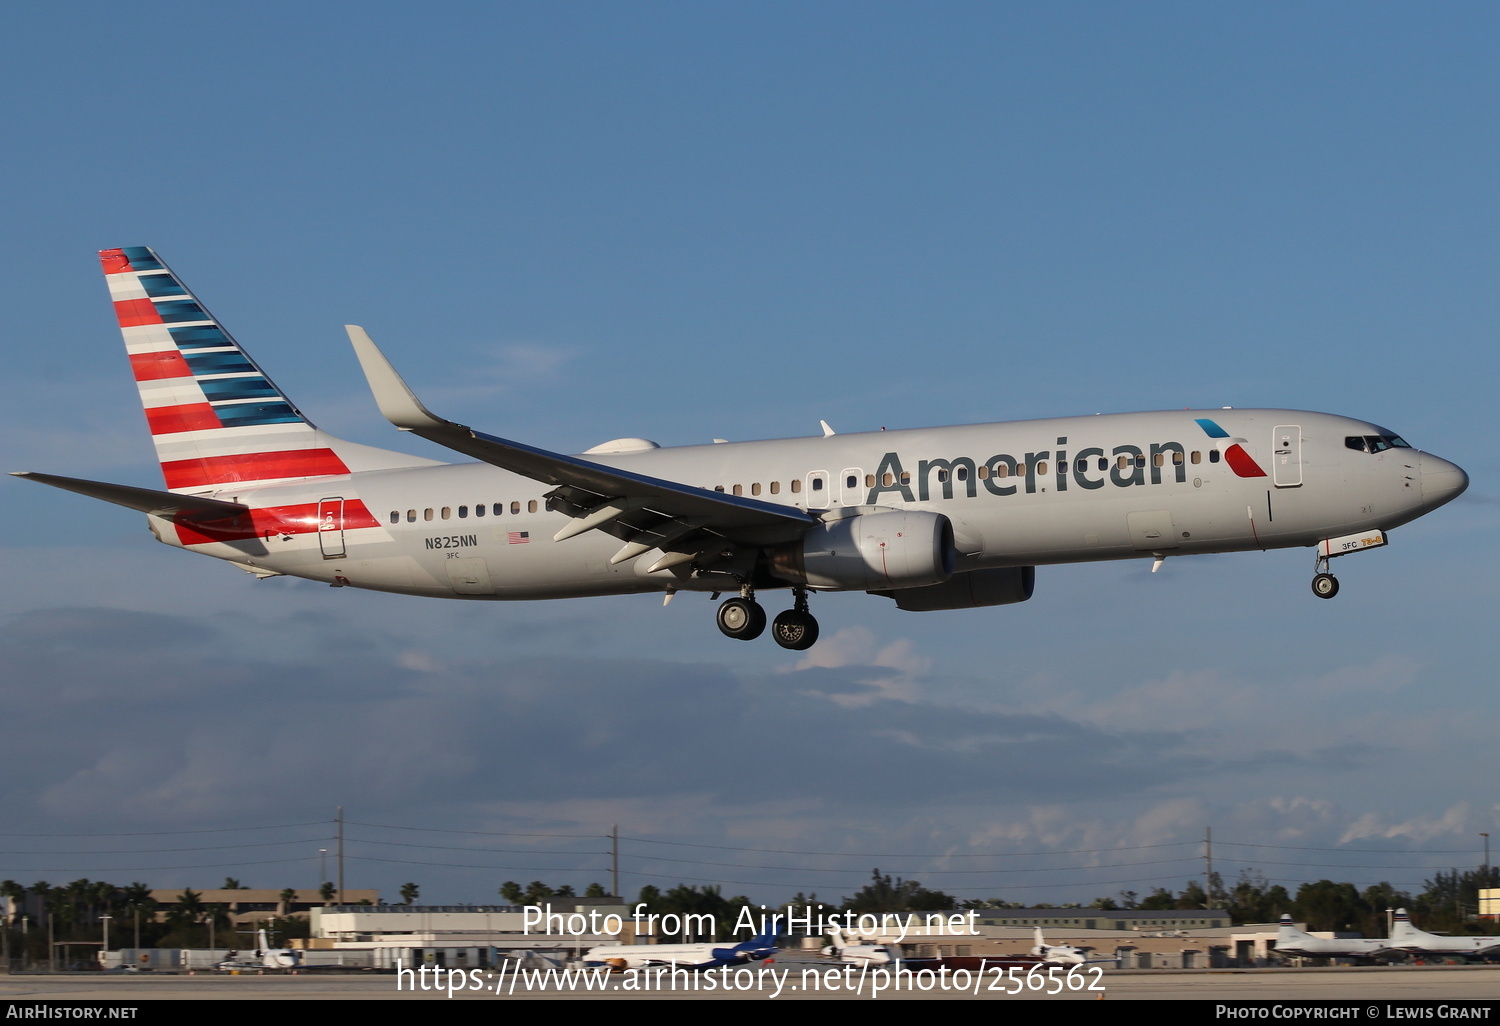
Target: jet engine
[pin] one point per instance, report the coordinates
(897, 549)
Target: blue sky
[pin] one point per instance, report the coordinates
(569, 223)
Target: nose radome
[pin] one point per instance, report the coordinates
(1441, 481)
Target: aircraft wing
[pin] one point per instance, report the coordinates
(645, 512)
(171, 505)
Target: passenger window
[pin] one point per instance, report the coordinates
(1123, 463)
(395, 516)
(427, 513)
(531, 506)
(755, 488)
(962, 473)
(718, 488)
(797, 485)
(850, 481)
(447, 512)
(1176, 458)
(1083, 466)
(463, 512)
(906, 477)
(739, 490)
(411, 516)
(1041, 467)
(498, 509)
(817, 484)
(515, 508)
(1002, 470)
(888, 479)
(775, 487)
(942, 476)
(1103, 464)
(479, 510)
(1140, 462)
(1213, 455)
(1197, 457)
(1160, 459)
(869, 480)
(983, 471)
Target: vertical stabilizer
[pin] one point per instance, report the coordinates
(215, 416)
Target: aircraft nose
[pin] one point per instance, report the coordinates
(1441, 481)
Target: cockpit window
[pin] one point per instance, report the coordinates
(1376, 443)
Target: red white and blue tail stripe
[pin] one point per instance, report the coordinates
(215, 416)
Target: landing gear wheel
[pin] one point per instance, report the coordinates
(742, 619)
(795, 629)
(1325, 586)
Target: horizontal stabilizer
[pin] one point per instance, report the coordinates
(173, 506)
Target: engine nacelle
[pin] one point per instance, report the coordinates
(871, 551)
(969, 591)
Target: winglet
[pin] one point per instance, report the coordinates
(828, 432)
(395, 398)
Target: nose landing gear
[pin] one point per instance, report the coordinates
(1324, 584)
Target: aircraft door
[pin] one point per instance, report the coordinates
(816, 489)
(331, 527)
(850, 492)
(1286, 455)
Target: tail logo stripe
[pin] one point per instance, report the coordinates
(257, 466)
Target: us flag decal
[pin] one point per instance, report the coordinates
(517, 537)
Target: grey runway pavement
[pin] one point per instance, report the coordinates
(1364, 987)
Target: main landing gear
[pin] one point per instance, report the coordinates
(744, 619)
(1324, 584)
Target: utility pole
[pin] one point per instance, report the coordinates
(1208, 872)
(614, 859)
(341, 855)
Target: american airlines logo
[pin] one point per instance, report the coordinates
(1124, 466)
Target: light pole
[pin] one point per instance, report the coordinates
(105, 919)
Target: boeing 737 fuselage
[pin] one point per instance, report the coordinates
(934, 518)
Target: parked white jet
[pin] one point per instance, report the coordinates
(681, 956)
(1292, 941)
(1407, 937)
(263, 957)
(934, 518)
(1062, 954)
(859, 952)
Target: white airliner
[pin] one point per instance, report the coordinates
(1406, 937)
(681, 956)
(1292, 941)
(933, 518)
